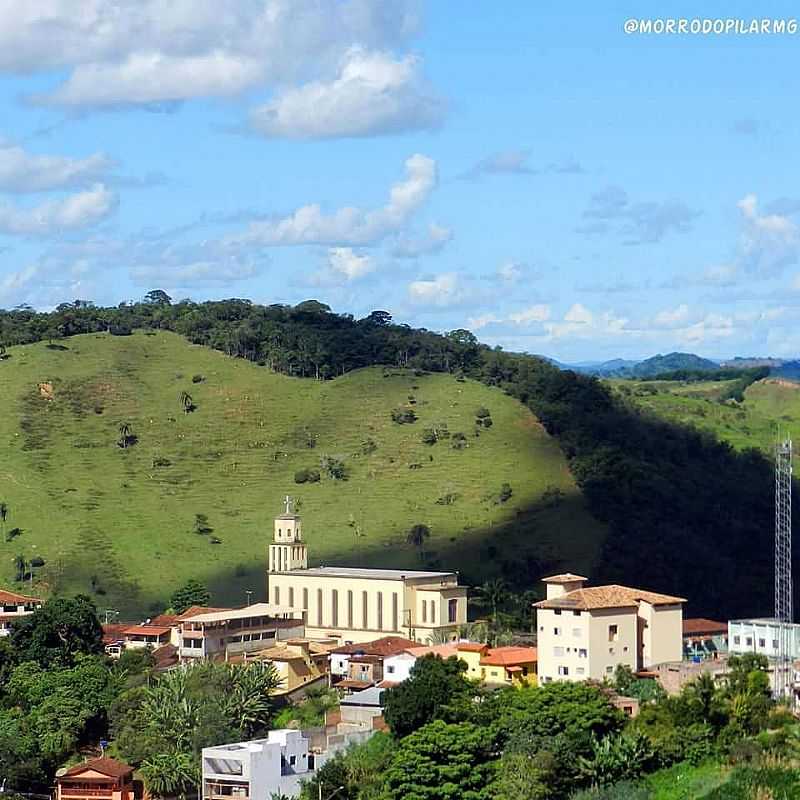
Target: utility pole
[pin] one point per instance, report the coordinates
(784, 611)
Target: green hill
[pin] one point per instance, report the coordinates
(120, 524)
(771, 408)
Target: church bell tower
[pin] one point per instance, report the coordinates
(287, 551)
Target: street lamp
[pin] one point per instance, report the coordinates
(335, 791)
(249, 593)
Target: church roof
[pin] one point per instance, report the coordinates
(359, 572)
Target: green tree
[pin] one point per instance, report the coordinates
(493, 594)
(158, 297)
(417, 536)
(55, 634)
(192, 593)
(187, 403)
(435, 689)
(444, 761)
(170, 774)
(126, 436)
(3, 517)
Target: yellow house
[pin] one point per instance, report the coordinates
(586, 632)
(357, 605)
(505, 666)
(297, 661)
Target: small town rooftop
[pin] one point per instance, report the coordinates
(612, 596)
(254, 610)
(374, 574)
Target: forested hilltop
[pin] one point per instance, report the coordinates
(685, 512)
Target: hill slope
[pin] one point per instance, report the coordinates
(119, 523)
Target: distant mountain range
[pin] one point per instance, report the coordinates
(789, 369)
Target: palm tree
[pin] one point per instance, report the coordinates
(493, 593)
(124, 434)
(3, 516)
(187, 402)
(417, 536)
(21, 565)
(169, 774)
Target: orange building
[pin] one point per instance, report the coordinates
(98, 779)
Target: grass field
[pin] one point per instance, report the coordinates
(119, 524)
(771, 408)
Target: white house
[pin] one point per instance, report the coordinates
(762, 636)
(258, 769)
(15, 606)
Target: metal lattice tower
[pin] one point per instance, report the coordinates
(784, 610)
(783, 531)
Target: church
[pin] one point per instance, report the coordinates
(359, 605)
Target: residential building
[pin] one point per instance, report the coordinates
(500, 666)
(222, 633)
(144, 635)
(362, 709)
(15, 606)
(397, 668)
(259, 769)
(358, 605)
(114, 638)
(586, 632)
(384, 647)
(704, 638)
(98, 779)
(299, 663)
(761, 636)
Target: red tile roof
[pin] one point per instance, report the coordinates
(165, 656)
(472, 647)
(695, 627)
(114, 631)
(565, 577)
(106, 766)
(146, 630)
(386, 646)
(509, 656)
(612, 596)
(165, 619)
(12, 598)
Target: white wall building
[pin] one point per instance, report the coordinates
(15, 606)
(258, 769)
(761, 636)
(586, 632)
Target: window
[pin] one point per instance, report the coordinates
(737, 639)
(433, 611)
(195, 644)
(319, 607)
(556, 631)
(762, 643)
(424, 610)
(396, 612)
(576, 613)
(611, 651)
(774, 644)
(305, 599)
(609, 669)
(576, 632)
(349, 608)
(579, 670)
(558, 652)
(582, 652)
(291, 597)
(292, 760)
(749, 641)
(557, 612)
(277, 595)
(365, 610)
(380, 611)
(452, 610)
(390, 670)
(563, 670)
(335, 607)
(613, 633)
(625, 649)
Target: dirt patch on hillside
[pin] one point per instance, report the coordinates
(782, 382)
(46, 391)
(529, 423)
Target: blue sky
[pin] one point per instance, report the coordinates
(525, 170)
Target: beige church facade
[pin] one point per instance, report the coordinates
(359, 605)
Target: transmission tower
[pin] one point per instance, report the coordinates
(783, 565)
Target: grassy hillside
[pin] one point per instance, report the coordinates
(771, 408)
(120, 523)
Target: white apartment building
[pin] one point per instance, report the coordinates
(761, 636)
(259, 769)
(586, 632)
(353, 604)
(220, 633)
(15, 606)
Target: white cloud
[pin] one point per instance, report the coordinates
(769, 242)
(56, 216)
(672, 318)
(530, 315)
(433, 241)
(111, 53)
(349, 225)
(21, 171)
(345, 262)
(442, 290)
(373, 93)
(510, 272)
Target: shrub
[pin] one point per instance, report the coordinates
(368, 446)
(505, 493)
(307, 476)
(483, 413)
(198, 378)
(447, 499)
(429, 436)
(333, 467)
(403, 416)
(459, 441)
(487, 422)
(37, 561)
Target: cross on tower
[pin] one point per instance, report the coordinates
(288, 500)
